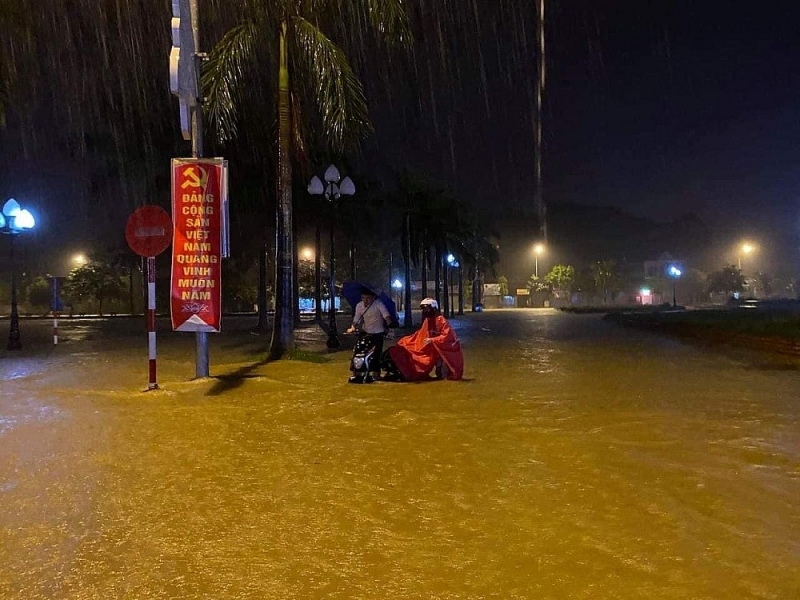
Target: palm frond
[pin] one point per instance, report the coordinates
(298, 134)
(224, 78)
(390, 19)
(338, 93)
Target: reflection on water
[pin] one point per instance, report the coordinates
(19, 368)
(6, 422)
(577, 460)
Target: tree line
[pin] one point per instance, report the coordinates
(605, 279)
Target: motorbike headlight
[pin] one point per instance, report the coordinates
(358, 362)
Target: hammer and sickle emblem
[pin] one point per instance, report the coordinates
(193, 179)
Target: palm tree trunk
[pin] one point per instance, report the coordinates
(425, 271)
(460, 288)
(352, 269)
(352, 260)
(295, 280)
(263, 322)
(283, 327)
(437, 274)
(446, 282)
(407, 321)
(476, 296)
(132, 266)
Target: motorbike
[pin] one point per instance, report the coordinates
(389, 368)
(361, 361)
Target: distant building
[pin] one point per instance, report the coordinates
(659, 282)
(659, 269)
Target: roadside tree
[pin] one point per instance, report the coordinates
(40, 295)
(537, 284)
(283, 41)
(728, 280)
(604, 274)
(93, 282)
(764, 283)
(502, 281)
(562, 277)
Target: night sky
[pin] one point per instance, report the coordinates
(687, 107)
(657, 108)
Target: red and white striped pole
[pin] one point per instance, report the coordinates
(151, 320)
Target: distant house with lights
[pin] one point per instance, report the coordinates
(659, 277)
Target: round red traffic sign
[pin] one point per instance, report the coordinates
(149, 230)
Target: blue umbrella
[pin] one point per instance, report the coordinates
(352, 290)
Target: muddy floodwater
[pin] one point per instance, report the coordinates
(578, 459)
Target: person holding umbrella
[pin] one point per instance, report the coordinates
(373, 319)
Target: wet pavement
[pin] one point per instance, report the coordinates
(578, 459)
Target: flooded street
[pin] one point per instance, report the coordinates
(577, 459)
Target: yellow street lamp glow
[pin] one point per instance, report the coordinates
(746, 248)
(307, 253)
(537, 250)
(79, 259)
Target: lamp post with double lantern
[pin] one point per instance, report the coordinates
(333, 188)
(14, 220)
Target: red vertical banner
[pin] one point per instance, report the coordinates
(198, 194)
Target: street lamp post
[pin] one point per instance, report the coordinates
(398, 288)
(318, 274)
(448, 304)
(13, 221)
(455, 264)
(745, 249)
(460, 289)
(333, 189)
(675, 273)
(307, 257)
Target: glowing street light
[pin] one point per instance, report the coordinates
(397, 285)
(537, 250)
(79, 259)
(450, 262)
(13, 221)
(453, 262)
(307, 254)
(675, 273)
(746, 248)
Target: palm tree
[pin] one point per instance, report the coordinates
(430, 222)
(603, 274)
(475, 244)
(411, 196)
(284, 37)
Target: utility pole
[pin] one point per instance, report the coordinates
(201, 357)
(541, 210)
(185, 61)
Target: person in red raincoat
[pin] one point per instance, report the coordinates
(434, 347)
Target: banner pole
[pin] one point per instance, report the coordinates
(201, 337)
(151, 320)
